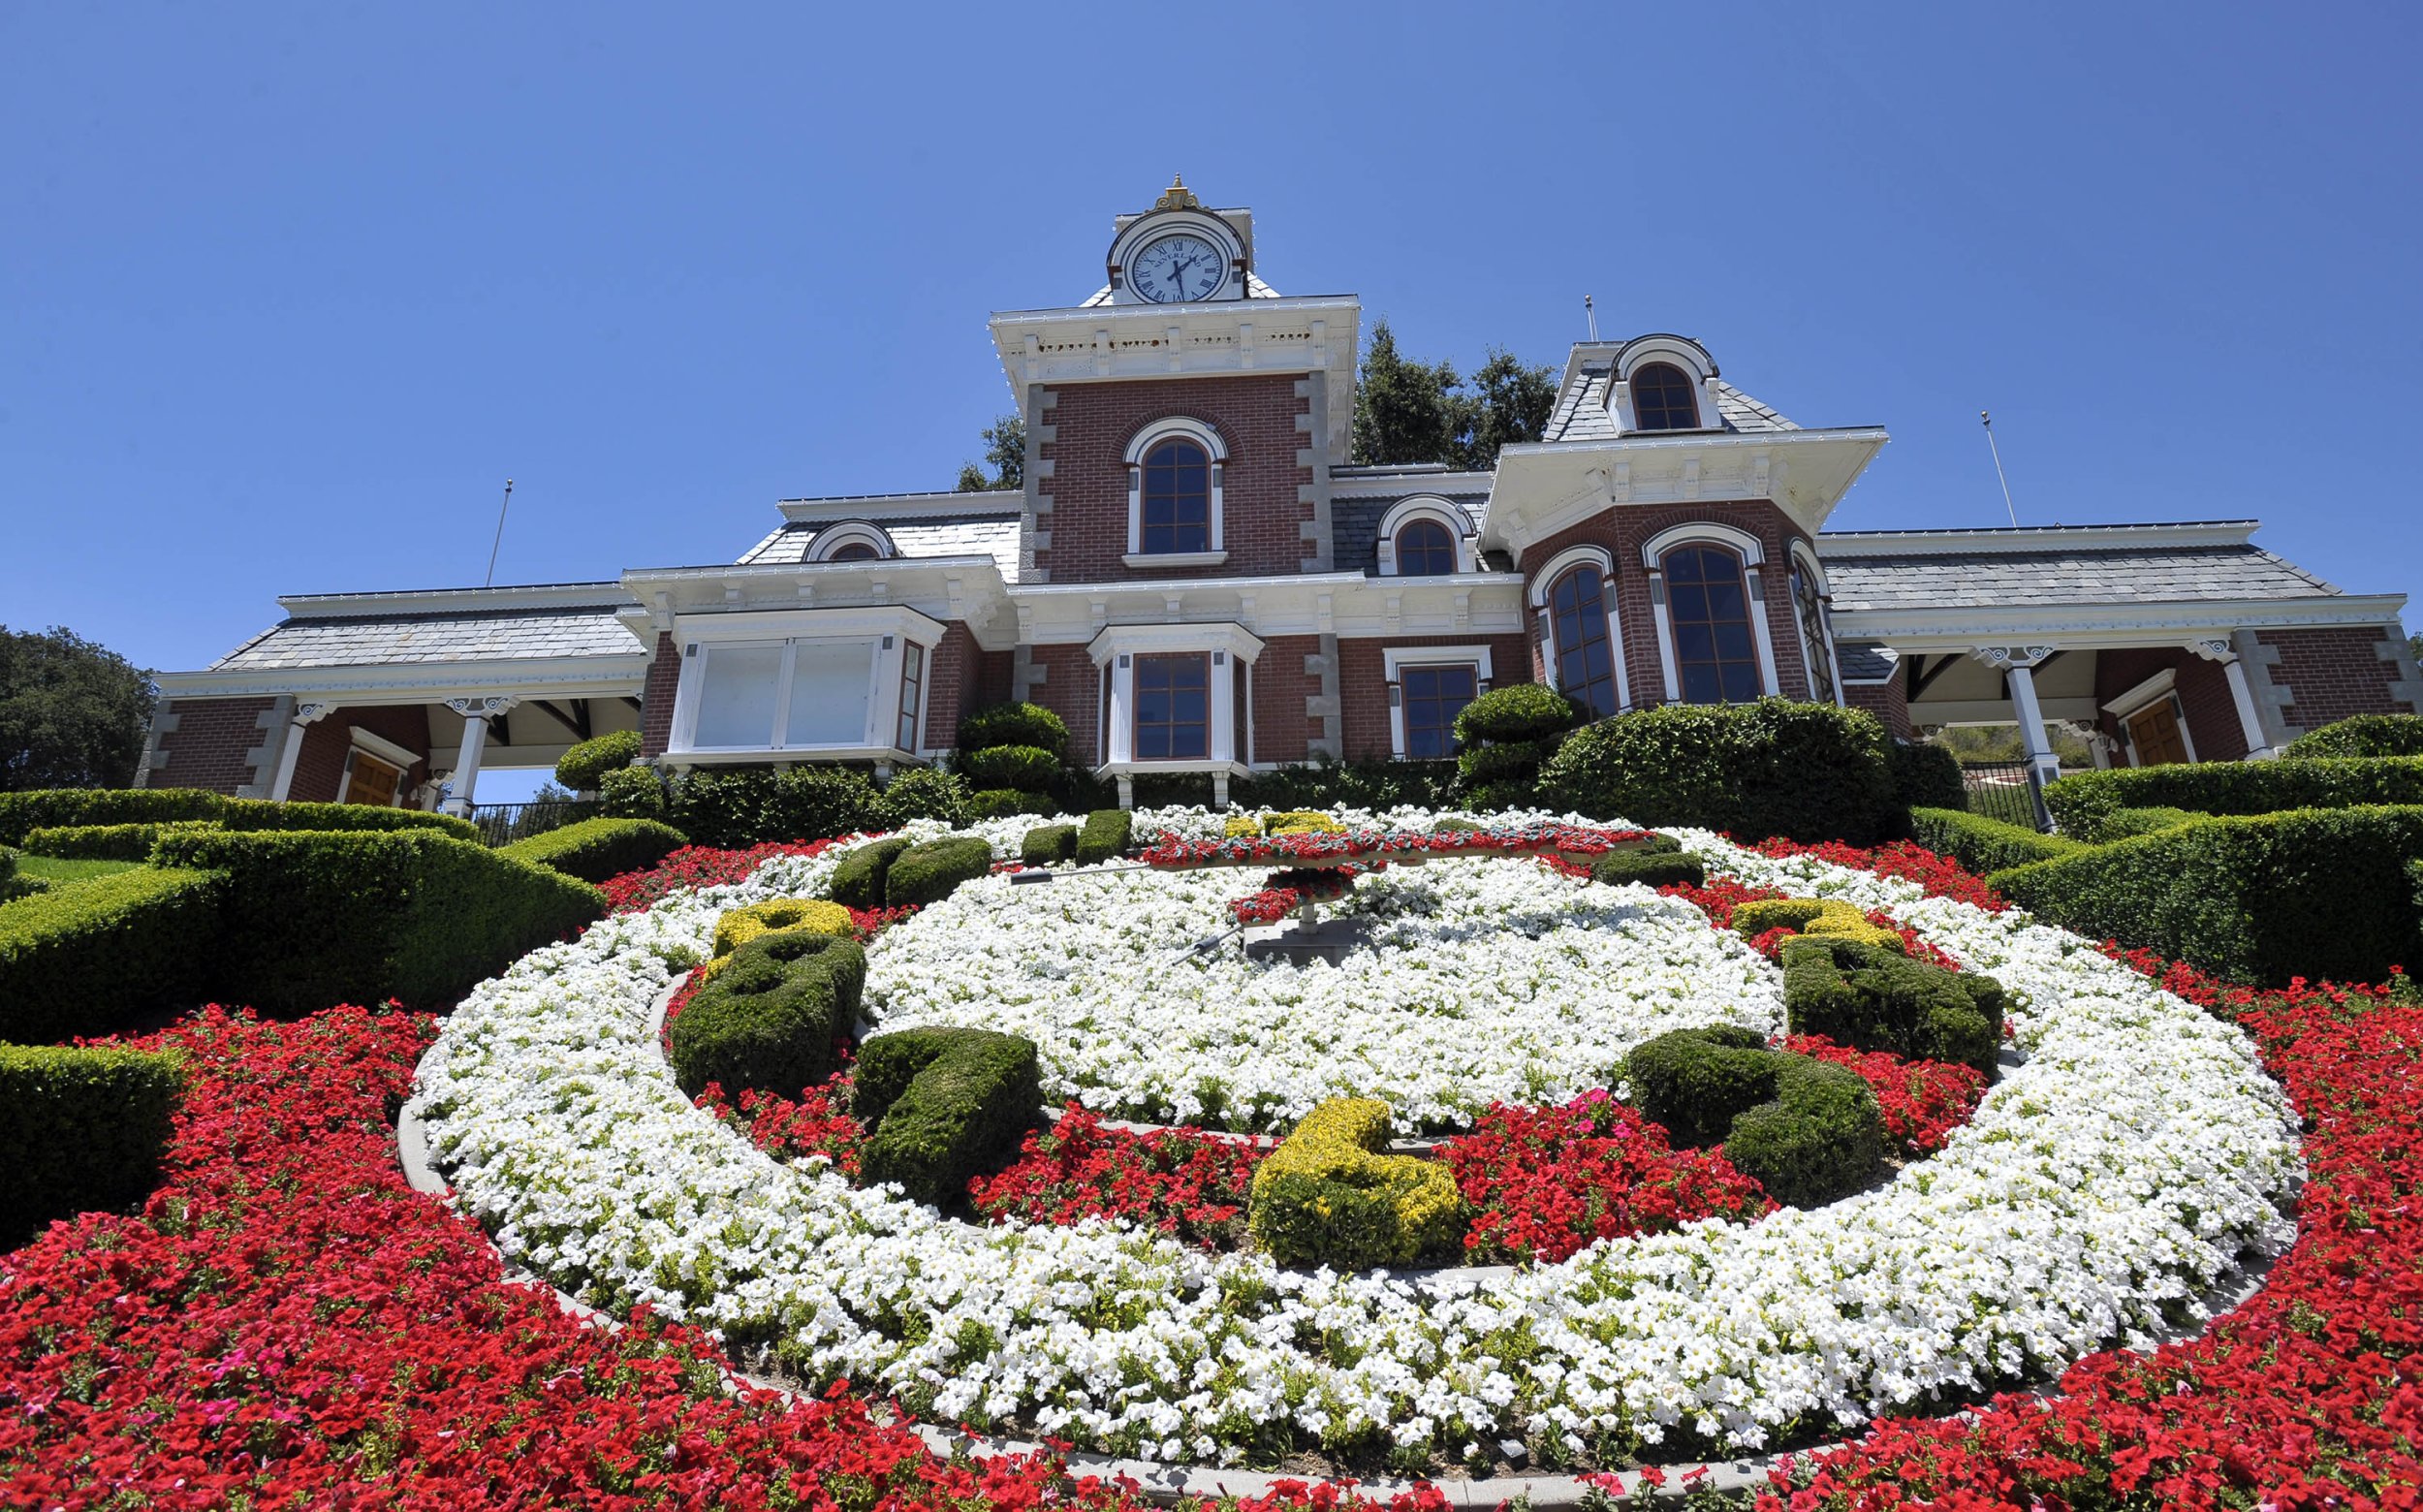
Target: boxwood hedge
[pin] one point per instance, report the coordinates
(1329, 1195)
(1807, 1130)
(1859, 994)
(1104, 836)
(771, 1018)
(1983, 844)
(584, 766)
(942, 1105)
(1048, 843)
(595, 849)
(747, 805)
(85, 959)
(932, 870)
(2362, 735)
(2083, 801)
(1015, 724)
(1812, 771)
(104, 841)
(80, 1129)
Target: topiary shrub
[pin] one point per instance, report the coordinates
(1805, 1130)
(46, 809)
(1028, 769)
(1828, 916)
(1876, 998)
(104, 841)
(922, 792)
(1516, 711)
(1809, 772)
(319, 916)
(858, 882)
(930, 872)
(253, 814)
(736, 926)
(1507, 735)
(595, 849)
(1329, 1196)
(631, 793)
(1015, 724)
(2082, 800)
(86, 959)
(943, 1105)
(1983, 844)
(1007, 803)
(769, 1018)
(1104, 836)
(1325, 783)
(2361, 734)
(1657, 866)
(80, 1129)
(734, 807)
(1925, 775)
(1045, 844)
(584, 768)
(2259, 898)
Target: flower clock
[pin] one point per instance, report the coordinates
(1644, 1296)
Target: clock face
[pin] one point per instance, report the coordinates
(1180, 267)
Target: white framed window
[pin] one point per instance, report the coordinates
(855, 684)
(1812, 615)
(1425, 538)
(1706, 597)
(1581, 639)
(1177, 514)
(1173, 694)
(1664, 384)
(1427, 687)
(850, 541)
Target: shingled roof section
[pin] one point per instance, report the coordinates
(397, 639)
(1581, 413)
(2002, 578)
(992, 534)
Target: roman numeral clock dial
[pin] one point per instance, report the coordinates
(1179, 268)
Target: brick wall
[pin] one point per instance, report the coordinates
(1624, 529)
(1261, 509)
(956, 688)
(2204, 697)
(1888, 701)
(2332, 673)
(664, 679)
(1281, 729)
(319, 771)
(1362, 681)
(207, 746)
(1071, 688)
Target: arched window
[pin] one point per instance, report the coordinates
(855, 551)
(1716, 653)
(1586, 661)
(1176, 505)
(1663, 398)
(1809, 602)
(1425, 550)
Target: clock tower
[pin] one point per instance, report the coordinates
(1181, 253)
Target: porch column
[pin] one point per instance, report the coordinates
(476, 713)
(2250, 722)
(292, 751)
(2017, 662)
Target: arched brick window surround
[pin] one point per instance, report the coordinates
(1750, 556)
(1569, 634)
(1140, 453)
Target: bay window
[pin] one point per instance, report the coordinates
(855, 686)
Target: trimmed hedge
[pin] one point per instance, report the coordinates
(104, 841)
(736, 926)
(80, 1129)
(1807, 1131)
(1329, 1195)
(316, 917)
(734, 807)
(1827, 916)
(2124, 823)
(1983, 844)
(253, 814)
(1324, 783)
(1048, 843)
(1015, 724)
(930, 872)
(2083, 801)
(858, 882)
(769, 1020)
(584, 766)
(1877, 999)
(51, 808)
(2313, 893)
(1811, 771)
(595, 849)
(1028, 769)
(1005, 802)
(83, 959)
(922, 792)
(1505, 761)
(1655, 867)
(2361, 734)
(1104, 836)
(942, 1105)
(633, 793)
(1925, 775)
(1516, 711)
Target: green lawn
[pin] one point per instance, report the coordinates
(56, 873)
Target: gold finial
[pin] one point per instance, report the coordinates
(1178, 197)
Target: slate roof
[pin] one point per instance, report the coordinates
(1582, 412)
(2003, 576)
(994, 534)
(1355, 517)
(1864, 661)
(396, 640)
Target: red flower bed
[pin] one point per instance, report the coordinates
(1941, 875)
(1548, 1182)
(1719, 898)
(1923, 1100)
(1188, 1185)
(700, 866)
(816, 1122)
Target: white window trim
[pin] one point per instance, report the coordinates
(924, 692)
(1116, 650)
(1546, 579)
(2179, 712)
(1216, 450)
(2137, 698)
(1805, 560)
(696, 640)
(849, 532)
(1395, 659)
(1742, 543)
(379, 749)
(1425, 507)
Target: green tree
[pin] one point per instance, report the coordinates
(1408, 411)
(2414, 646)
(1005, 450)
(72, 713)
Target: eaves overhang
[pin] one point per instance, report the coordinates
(619, 675)
(2086, 625)
(968, 588)
(1544, 487)
(1349, 604)
(519, 598)
(2155, 535)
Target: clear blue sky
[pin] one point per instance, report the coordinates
(286, 293)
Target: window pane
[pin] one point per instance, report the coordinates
(1662, 398)
(912, 694)
(1425, 550)
(831, 684)
(1585, 660)
(1716, 650)
(735, 700)
(1431, 697)
(1173, 707)
(1176, 510)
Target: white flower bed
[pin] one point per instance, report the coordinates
(2104, 1184)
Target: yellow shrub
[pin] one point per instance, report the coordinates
(1238, 827)
(1328, 1196)
(1830, 915)
(739, 925)
(1301, 822)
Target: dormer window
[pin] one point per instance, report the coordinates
(1425, 550)
(850, 541)
(1663, 398)
(1424, 536)
(855, 551)
(1177, 498)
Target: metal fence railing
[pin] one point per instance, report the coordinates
(2006, 790)
(502, 824)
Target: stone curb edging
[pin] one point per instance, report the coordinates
(1167, 1484)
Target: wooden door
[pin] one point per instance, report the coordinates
(374, 782)
(2154, 731)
